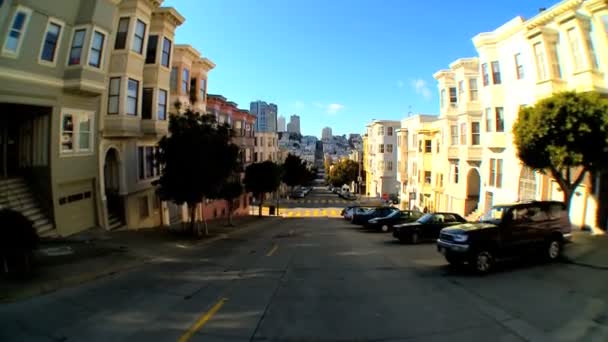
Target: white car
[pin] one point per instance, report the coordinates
(348, 213)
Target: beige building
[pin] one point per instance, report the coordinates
(266, 147)
(53, 80)
(381, 158)
(135, 112)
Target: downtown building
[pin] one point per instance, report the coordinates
(521, 62)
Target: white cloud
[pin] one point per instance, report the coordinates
(334, 108)
(400, 84)
(421, 88)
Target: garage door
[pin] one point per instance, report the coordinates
(76, 210)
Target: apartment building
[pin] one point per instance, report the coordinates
(422, 162)
(381, 159)
(54, 60)
(266, 147)
(135, 111)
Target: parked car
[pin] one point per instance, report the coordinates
(385, 224)
(350, 211)
(362, 218)
(426, 227)
(298, 194)
(507, 231)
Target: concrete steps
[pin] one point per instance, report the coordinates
(16, 194)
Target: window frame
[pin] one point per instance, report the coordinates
(162, 105)
(519, 67)
(185, 81)
(77, 114)
(473, 90)
(61, 24)
(119, 34)
(130, 97)
(428, 180)
(28, 15)
(428, 146)
(83, 53)
(168, 54)
(485, 74)
(489, 119)
(147, 95)
(540, 57)
(453, 93)
(500, 124)
(475, 133)
(114, 95)
(496, 76)
(101, 49)
(463, 133)
(143, 163)
(136, 37)
(151, 58)
(389, 131)
(454, 134)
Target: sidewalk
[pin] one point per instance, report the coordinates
(587, 250)
(98, 253)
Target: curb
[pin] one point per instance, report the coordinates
(80, 279)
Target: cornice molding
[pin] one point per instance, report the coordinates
(552, 13)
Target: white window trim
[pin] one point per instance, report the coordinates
(144, 42)
(146, 179)
(104, 49)
(159, 44)
(5, 51)
(162, 38)
(85, 48)
(140, 89)
(76, 151)
(61, 24)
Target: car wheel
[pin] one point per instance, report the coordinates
(414, 238)
(554, 249)
(385, 228)
(482, 261)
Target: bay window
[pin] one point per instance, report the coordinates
(76, 131)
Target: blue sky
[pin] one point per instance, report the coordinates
(338, 63)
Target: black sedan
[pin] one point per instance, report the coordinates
(362, 218)
(427, 227)
(386, 223)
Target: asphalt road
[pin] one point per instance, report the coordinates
(319, 279)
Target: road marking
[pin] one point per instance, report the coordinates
(315, 212)
(274, 249)
(201, 321)
(324, 212)
(290, 214)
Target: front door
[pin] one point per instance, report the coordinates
(9, 163)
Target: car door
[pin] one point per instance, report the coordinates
(515, 230)
(432, 228)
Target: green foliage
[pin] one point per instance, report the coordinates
(17, 243)
(231, 190)
(196, 158)
(565, 131)
(295, 171)
(262, 178)
(343, 172)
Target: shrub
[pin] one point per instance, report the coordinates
(18, 239)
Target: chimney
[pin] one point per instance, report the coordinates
(542, 9)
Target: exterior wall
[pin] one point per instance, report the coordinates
(381, 169)
(266, 146)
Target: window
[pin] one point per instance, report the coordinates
(381, 130)
(96, 49)
(13, 41)
(460, 89)
(49, 45)
(173, 80)
(591, 47)
(380, 165)
(484, 72)
(389, 148)
(605, 21)
(161, 111)
(575, 48)
(427, 177)
(121, 33)
(389, 131)
(185, 80)
(132, 96)
(456, 173)
(147, 162)
(500, 119)
(498, 173)
(475, 133)
(151, 49)
(381, 148)
(438, 143)
(463, 134)
(138, 37)
(489, 120)
(166, 53)
(496, 72)
(77, 45)
(144, 210)
(453, 97)
(202, 89)
(541, 68)
(76, 131)
(473, 92)
(454, 135)
(519, 68)
(420, 146)
(389, 165)
(428, 146)
(555, 64)
(441, 180)
(114, 95)
(147, 97)
(442, 98)
(414, 139)
(492, 175)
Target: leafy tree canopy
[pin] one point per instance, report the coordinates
(262, 178)
(565, 135)
(295, 171)
(343, 172)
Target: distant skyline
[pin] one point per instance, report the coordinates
(339, 63)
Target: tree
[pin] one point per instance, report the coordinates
(295, 171)
(344, 172)
(565, 135)
(229, 191)
(196, 158)
(261, 178)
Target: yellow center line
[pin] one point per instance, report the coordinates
(201, 321)
(274, 249)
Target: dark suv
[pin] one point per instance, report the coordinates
(507, 231)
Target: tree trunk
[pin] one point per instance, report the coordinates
(193, 227)
(564, 179)
(229, 205)
(260, 205)
(204, 218)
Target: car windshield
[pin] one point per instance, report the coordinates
(495, 214)
(393, 214)
(426, 218)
